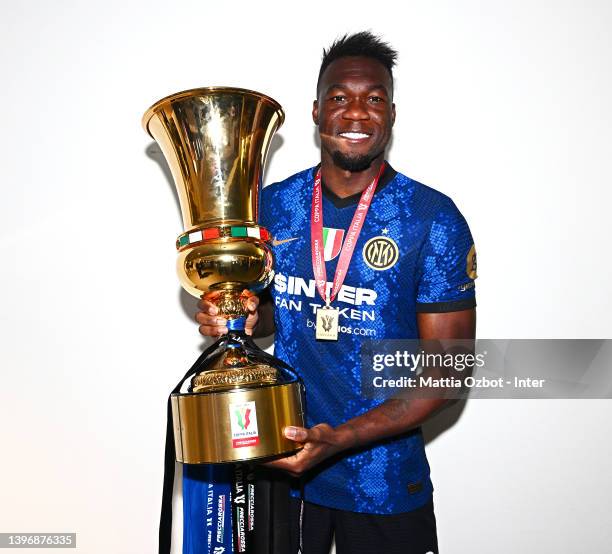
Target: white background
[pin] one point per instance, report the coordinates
(504, 106)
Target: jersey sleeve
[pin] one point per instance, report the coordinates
(265, 203)
(447, 264)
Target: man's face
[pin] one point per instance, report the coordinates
(354, 111)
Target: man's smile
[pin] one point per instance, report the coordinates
(355, 136)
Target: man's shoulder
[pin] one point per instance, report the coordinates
(297, 180)
(283, 201)
(426, 198)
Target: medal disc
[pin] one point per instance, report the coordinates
(327, 323)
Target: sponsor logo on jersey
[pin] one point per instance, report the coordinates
(380, 253)
(276, 242)
(466, 286)
(243, 420)
(297, 286)
(332, 242)
(470, 267)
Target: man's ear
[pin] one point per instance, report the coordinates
(315, 112)
(393, 114)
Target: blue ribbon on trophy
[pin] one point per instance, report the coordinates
(207, 517)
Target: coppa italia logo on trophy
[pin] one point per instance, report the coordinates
(243, 418)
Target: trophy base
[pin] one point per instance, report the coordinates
(236, 425)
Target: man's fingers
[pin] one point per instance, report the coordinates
(252, 300)
(284, 464)
(204, 319)
(252, 303)
(212, 330)
(315, 434)
(213, 325)
(250, 323)
(208, 307)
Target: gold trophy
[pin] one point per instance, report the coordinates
(238, 399)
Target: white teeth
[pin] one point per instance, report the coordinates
(354, 135)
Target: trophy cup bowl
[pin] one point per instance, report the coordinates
(237, 403)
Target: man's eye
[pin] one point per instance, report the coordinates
(338, 98)
(375, 99)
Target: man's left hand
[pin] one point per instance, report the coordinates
(320, 442)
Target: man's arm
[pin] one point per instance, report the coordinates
(391, 418)
(265, 324)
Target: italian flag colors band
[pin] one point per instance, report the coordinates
(225, 231)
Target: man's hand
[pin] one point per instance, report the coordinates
(214, 325)
(320, 442)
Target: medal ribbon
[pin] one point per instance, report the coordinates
(316, 237)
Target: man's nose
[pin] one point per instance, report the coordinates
(356, 110)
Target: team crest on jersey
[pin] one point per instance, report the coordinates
(332, 242)
(380, 253)
(470, 268)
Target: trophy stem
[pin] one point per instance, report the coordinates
(231, 304)
(237, 366)
(236, 354)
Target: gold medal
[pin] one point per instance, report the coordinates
(327, 323)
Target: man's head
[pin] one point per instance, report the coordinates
(354, 109)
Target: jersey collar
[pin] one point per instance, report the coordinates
(388, 175)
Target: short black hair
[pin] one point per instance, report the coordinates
(363, 44)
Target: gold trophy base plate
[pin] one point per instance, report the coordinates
(236, 425)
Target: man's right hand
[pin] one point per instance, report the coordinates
(214, 325)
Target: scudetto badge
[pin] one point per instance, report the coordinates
(380, 253)
(470, 267)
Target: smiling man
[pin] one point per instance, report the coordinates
(362, 252)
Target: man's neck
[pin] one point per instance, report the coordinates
(345, 183)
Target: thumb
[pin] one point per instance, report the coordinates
(298, 434)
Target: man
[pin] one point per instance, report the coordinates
(363, 466)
